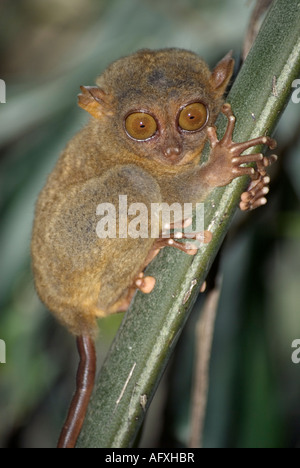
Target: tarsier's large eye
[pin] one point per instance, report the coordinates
(193, 117)
(140, 125)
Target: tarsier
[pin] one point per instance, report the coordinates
(152, 113)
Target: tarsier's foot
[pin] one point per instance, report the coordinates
(226, 149)
(169, 239)
(145, 283)
(259, 188)
(172, 239)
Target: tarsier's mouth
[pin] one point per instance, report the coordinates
(186, 158)
(181, 159)
(173, 160)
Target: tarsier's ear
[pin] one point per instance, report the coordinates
(222, 73)
(95, 101)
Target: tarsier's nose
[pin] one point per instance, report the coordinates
(172, 153)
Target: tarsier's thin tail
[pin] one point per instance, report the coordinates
(84, 386)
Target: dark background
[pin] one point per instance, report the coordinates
(48, 49)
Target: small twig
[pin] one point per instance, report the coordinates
(204, 338)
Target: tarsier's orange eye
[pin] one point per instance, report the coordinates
(140, 125)
(193, 117)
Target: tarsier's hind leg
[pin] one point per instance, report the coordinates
(146, 284)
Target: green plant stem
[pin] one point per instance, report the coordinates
(152, 325)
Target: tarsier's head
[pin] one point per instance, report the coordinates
(158, 104)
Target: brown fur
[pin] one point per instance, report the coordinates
(77, 275)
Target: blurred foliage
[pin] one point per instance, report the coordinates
(48, 49)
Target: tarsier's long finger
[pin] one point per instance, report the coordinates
(227, 111)
(242, 171)
(256, 194)
(256, 188)
(256, 172)
(170, 239)
(171, 242)
(212, 136)
(204, 237)
(238, 148)
(248, 158)
(265, 162)
(177, 225)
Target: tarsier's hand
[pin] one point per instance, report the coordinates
(229, 153)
